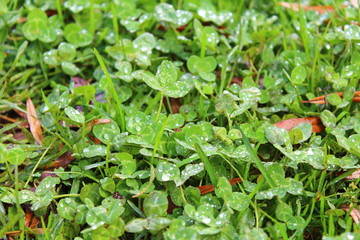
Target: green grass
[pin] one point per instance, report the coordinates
(144, 105)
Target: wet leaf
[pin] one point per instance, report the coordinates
(136, 225)
(296, 223)
(298, 75)
(66, 51)
(67, 208)
(167, 172)
(96, 216)
(328, 118)
(94, 150)
(77, 5)
(74, 115)
(70, 68)
(127, 162)
(166, 12)
(156, 204)
(276, 135)
(106, 133)
(189, 170)
(77, 36)
(223, 188)
(197, 65)
(238, 201)
(37, 27)
(166, 80)
(15, 156)
(283, 212)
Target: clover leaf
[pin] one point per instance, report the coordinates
(166, 12)
(77, 5)
(37, 27)
(202, 66)
(166, 81)
(63, 56)
(77, 35)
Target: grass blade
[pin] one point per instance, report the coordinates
(208, 167)
(114, 95)
(257, 160)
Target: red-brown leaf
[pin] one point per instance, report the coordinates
(33, 120)
(210, 188)
(62, 161)
(289, 124)
(321, 99)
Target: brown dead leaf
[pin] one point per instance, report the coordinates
(9, 119)
(296, 7)
(289, 124)
(354, 175)
(210, 188)
(33, 120)
(355, 213)
(31, 220)
(175, 105)
(63, 161)
(321, 99)
(35, 231)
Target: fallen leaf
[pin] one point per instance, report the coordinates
(355, 213)
(210, 188)
(33, 120)
(35, 231)
(94, 139)
(237, 80)
(171, 205)
(62, 161)
(175, 105)
(31, 220)
(354, 175)
(289, 124)
(321, 99)
(9, 119)
(296, 7)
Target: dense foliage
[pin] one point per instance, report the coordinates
(142, 103)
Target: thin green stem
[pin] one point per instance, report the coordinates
(66, 195)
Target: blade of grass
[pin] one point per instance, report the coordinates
(208, 167)
(257, 160)
(113, 93)
(20, 52)
(38, 162)
(158, 139)
(59, 12)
